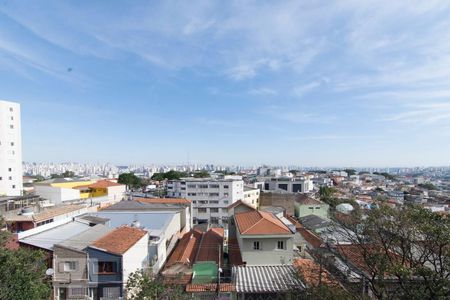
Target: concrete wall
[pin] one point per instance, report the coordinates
(57, 195)
(285, 200)
(135, 258)
(320, 210)
(116, 193)
(269, 254)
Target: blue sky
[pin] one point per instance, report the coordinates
(314, 83)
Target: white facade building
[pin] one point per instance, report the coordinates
(292, 185)
(210, 197)
(10, 149)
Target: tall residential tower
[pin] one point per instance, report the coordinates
(10, 149)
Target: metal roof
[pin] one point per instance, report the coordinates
(48, 238)
(266, 279)
(153, 221)
(84, 239)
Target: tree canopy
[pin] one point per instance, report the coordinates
(22, 272)
(410, 244)
(130, 180)
(170, 175)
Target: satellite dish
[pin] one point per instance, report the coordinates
(49, 272)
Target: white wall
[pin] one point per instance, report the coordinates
(269, 254)
(116, 193)
(57, 195)
(135, 258)
(10, 149)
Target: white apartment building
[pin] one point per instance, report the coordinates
(210, 197)
(10, 149)
(292, 185)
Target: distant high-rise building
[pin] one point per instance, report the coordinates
(10, 149)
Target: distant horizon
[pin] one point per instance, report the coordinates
(241, 165)
(323, 83)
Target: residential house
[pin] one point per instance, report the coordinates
(263, 238)
(305, 205)
(70, 261)
(113, 257)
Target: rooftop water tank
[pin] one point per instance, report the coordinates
(27, 211)
(344, 208)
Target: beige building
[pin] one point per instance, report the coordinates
(263, 239)
(251, 196)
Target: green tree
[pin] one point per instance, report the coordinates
(327, 196)
(170, 175)
(130, 180)
(411, 244)
(141, 285)
(428, 186)
(201, 174)
(22, 273)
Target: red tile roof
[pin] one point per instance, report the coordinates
(163, 200)
(120, 239)
(239, 202)
(234, 253)
(311, 238)
(309, 271)
(186, 249)
(260, 222)
(355, 255)
(306, 200)
(211, 246)
(209, 287)
(103, 184)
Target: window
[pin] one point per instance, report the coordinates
(11, 109)
(202, 186)
(214, 186)
(105, 267)
(11, 126)
(280, 245)
(12, 118)
(192, 194)
(214, 220)
(310, 207)
(283, 186)
(214, 210)
(214, 202)
(1, 178)
(256, 245)
(12, 143)
(111, 292)
(317, 207)
(10, 177)
(70, 266)
(225, 194)
(201, 210)
(13, 186)
(225, 186)
(44, 222)
(183, 188)
(224, 210)
(225, 201)
(214, 194)
(194, 202)
(191, 186)
(9, 169)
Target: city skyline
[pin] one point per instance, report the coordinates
(354, 84)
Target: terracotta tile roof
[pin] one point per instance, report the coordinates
(312, 239)
(186, 249)
(309, 271)
(294, 221)
(163, 200)
(177, 279)
(259, 222)
(103, 184)
(306, 200)
(355, 255)
(210, 287)
(234, 253)
(211, 246)
(120, 239)
(238, 203)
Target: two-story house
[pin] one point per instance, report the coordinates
(70, 278)
(113, 257)
(263, 238)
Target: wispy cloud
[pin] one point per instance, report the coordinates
(331, 137)
(423, 114)
(263, 91)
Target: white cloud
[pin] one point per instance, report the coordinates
(263, 91)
